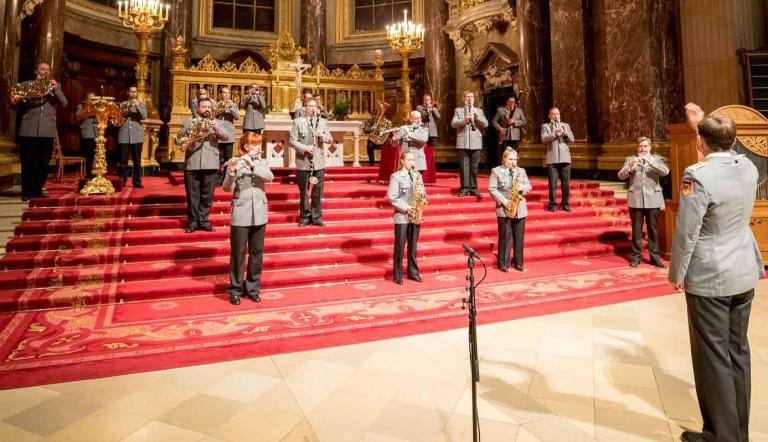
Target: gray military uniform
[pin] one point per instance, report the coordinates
(132, 131)
(202, 154)
(644, 189)
(39, 119)
(412, 139)
(254, 111)
(500, 187)
(466, 138)
(88, 129)
(557, 146)
(227, 122)
(429, 119)
(302, 137)
(249, 200)
(500, 120)
(201, 167)
(400, 193)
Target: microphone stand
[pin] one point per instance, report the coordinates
(473, 358)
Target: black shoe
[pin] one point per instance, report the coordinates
(519, 268)
(476, 193)
(397, 280)
(552, 207)
(138, 186)
(254, 298)
(691, 436)
(234, 299)
(463, 193)
(416, 278)
(207, 228)
(567, 208)
(25, 198)
(658, 264)
(319, 224)
(504, 269)
(190, 229)
(303, 223)
(634, 262)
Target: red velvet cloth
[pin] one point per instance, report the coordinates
(430, 175)
(390, 159)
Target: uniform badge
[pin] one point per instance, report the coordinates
(686, 188)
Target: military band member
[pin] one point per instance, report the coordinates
(308, 134)
(370, 146)
(645, 199)
(88, 134)
(400, 194)
(254, 104)
(36, 134)
(412, 138)
(430, 114)
(246, 175)
(556, 135)
(321, 110)
(130, 137)
(508, 121)
(299, 112)
(716, 260)
(226, 119)
(503, 180)
(201, 169)
(468, 120)
(202, 93)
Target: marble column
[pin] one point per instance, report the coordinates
(535, 64)
(9, 64)
(179, 24)
(569, 80)
(313, 30)
(440, 66)
(43, 39)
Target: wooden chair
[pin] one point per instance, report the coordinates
(63, 160)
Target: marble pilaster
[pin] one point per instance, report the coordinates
(313, 30)
(43, 39)
(9, 64)
(179, 24)
(535, 64)
(440, 66)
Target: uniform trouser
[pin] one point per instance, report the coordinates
(371, 149)
(199, 185)
(34, 155)
(560, 171)
(258, 131)
(510, 143)
(721, 364)
(410, 233)
(652, 227)
(511, 231)
(135, 152)
(241, 237)
(469, 161)
(88, 149)
(431, 141)
(310, 211)
(225, 153)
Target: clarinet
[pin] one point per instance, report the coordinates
(471, 123)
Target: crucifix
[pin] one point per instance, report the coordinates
(299, 67)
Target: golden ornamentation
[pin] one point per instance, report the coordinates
(104, 111)
(757, 221)
(37, 88)
(284, 49)
(36, 327)
(179, 54)
(249, 66)
(405, 38)
(56, 281)
(756, 144)
(418, 202)
(117, 345)
(260, 329)
(466, 4)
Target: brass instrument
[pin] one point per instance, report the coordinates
(220, 108)
(381, 129)
(37, 88)
(125, 107)
(199, 129)
(435, 105)
(515, 197)
(418, 202)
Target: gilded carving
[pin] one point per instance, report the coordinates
(756, 144)
(466, 4)
(207, 64)
(757, 221)
(179, 53)
(249, 66)
(118, 345)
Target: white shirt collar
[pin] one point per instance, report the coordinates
(727, 154)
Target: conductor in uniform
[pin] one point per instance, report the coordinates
(645, 199)
(308, 134)
(716, 260)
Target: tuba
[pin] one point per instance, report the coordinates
(199, 129)
(515, 197)
(37, 88)
(418, 202)
(381, 131)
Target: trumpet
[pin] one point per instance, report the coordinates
(435, 105)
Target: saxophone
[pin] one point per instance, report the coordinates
(418, 202)
(198, 129)
(515, 197)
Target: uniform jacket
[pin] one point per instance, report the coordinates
(412, 139)
(400, 193)
(518, 121)
(429, 119)
(644, 189)
(254, 111)
(302, 138)
(249, 200)
(88, 129)
(714, 251)
(203, 154)
(39, 119)
(132, 131)
(227, 122)
(557, 147)
(500, 187)
(466, 138)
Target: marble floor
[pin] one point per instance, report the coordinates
(615, 373)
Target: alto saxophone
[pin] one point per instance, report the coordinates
(418, 202)
(515, 197)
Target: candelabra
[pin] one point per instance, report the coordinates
(405, 38)
(144, 17)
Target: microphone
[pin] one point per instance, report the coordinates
(471, 252)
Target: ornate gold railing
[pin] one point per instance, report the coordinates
(361, 89)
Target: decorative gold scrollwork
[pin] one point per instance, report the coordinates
(756, 144)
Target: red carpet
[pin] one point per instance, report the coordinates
(101, 286)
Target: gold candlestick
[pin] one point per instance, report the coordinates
(104, 110)
(405, 38)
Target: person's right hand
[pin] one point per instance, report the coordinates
(694, 114)
(15, 99)
(310, 150)
(502, 132)
(506, 204)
